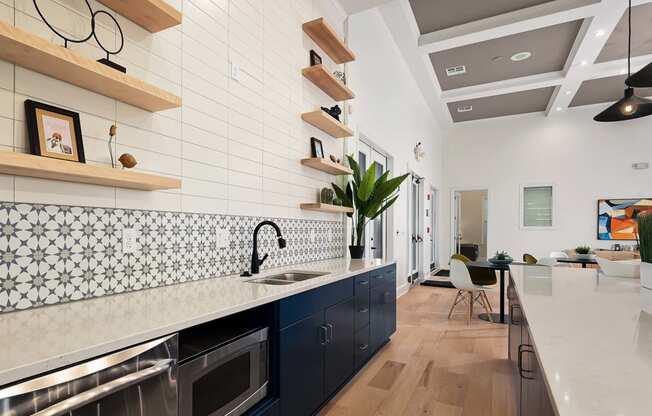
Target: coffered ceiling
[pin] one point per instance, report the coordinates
(574, 53)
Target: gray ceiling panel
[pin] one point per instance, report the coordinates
(616, 46)
(604, 90)
(521, 102)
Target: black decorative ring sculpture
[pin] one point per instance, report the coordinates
(65, 39)
(106, 61)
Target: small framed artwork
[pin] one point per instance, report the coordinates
(314, 58)
(54, 132)
(317, 148)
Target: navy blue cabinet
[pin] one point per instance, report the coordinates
(339, 361)
(326, 334)
(301, 367)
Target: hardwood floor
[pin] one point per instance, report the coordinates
(434, 366)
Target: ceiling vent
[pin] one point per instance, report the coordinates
(456, 70)
(465, 109)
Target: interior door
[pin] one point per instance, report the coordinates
(414, 218)
(375, 231)
(433, 228)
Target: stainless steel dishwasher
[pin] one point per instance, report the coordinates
(138, 381)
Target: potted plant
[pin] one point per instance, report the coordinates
(645, 237)
(583, 252)
(369, 197)
(501, 257)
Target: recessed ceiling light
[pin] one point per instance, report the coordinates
(599, 33)
(569, 92)
(559, 108)
(521, 56)
(583, 63)
(623, 71)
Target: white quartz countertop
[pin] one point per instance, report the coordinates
(593, 338)
(43, 339)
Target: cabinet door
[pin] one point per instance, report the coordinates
(377, 318)
(534, 394)
(390, 310)
(515, 318)
(339, 361)
(302, 366)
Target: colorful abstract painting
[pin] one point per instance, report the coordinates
(617, 217)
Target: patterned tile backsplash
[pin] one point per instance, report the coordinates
(54, 254)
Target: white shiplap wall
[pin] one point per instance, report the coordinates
(236, 145)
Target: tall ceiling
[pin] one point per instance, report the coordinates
(478, 59)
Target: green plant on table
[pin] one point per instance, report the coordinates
(584, 250)
(369, 197)
(645, 236)
(502, 255)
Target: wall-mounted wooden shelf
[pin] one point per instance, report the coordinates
(35, 53)
(153, 15)
(42, 167)
(333, 209)
(326, 165)
(327, 124)
(321, 77)
(328, 40)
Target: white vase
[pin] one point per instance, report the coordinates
(646, 275)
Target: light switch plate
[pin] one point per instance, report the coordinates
(223, 238)
(129, 237)
(235, 71)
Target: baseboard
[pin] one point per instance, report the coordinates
(402, 290)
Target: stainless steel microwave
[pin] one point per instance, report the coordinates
(228, 380)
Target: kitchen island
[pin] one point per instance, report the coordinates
(584, 338)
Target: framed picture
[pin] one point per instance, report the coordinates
(317, 148)
(617, 217)
(54, 132)
(314, 58)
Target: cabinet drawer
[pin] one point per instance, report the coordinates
(301, 306)
(377, 278)
(362, 285)
(361, 312)
(362, 347)
(390, 274)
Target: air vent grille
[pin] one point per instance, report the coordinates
(464, 109)
(456, 70)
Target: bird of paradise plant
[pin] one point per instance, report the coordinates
(369, 197)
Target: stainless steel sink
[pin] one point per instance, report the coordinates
(287, 278)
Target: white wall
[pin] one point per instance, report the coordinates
(585, 160)
(236, 145)
(390, 110)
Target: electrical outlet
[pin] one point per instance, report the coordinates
(223, 238)
(129, 238)
(235, 71)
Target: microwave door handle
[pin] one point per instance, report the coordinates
(89, 396)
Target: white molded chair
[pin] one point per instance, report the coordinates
(461, 279)
(623, 268)
(558, 255)
(547, 261)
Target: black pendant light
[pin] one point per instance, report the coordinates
(630, 106)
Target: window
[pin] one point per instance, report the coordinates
(537, 207)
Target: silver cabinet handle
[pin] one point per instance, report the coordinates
(324, 335)
(365, 310)
(105, 390)
(364, 347)
(330, 329)
(364, 282)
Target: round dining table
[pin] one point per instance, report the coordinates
(578, 260)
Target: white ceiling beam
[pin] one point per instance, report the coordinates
(531, 18)
(618, 67)
(586, 50)
(549, 79)
(401, 23)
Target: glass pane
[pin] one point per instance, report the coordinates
(362, 161)
(212, 392)
(414, 225)
(378, 225)
(537, 206)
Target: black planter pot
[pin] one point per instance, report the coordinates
(357, 252)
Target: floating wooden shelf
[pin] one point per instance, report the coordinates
(33, 52)
(321, 77)
(327, 124)
(153, 15)
(328, 40)
(47, 168)
(326, 208)
(326, 165)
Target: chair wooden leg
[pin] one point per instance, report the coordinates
(483, 300)
(468, 321)
(455, 302)
(487, 300)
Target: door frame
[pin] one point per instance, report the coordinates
(452, 216)
(420, 229)
(434, 232)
